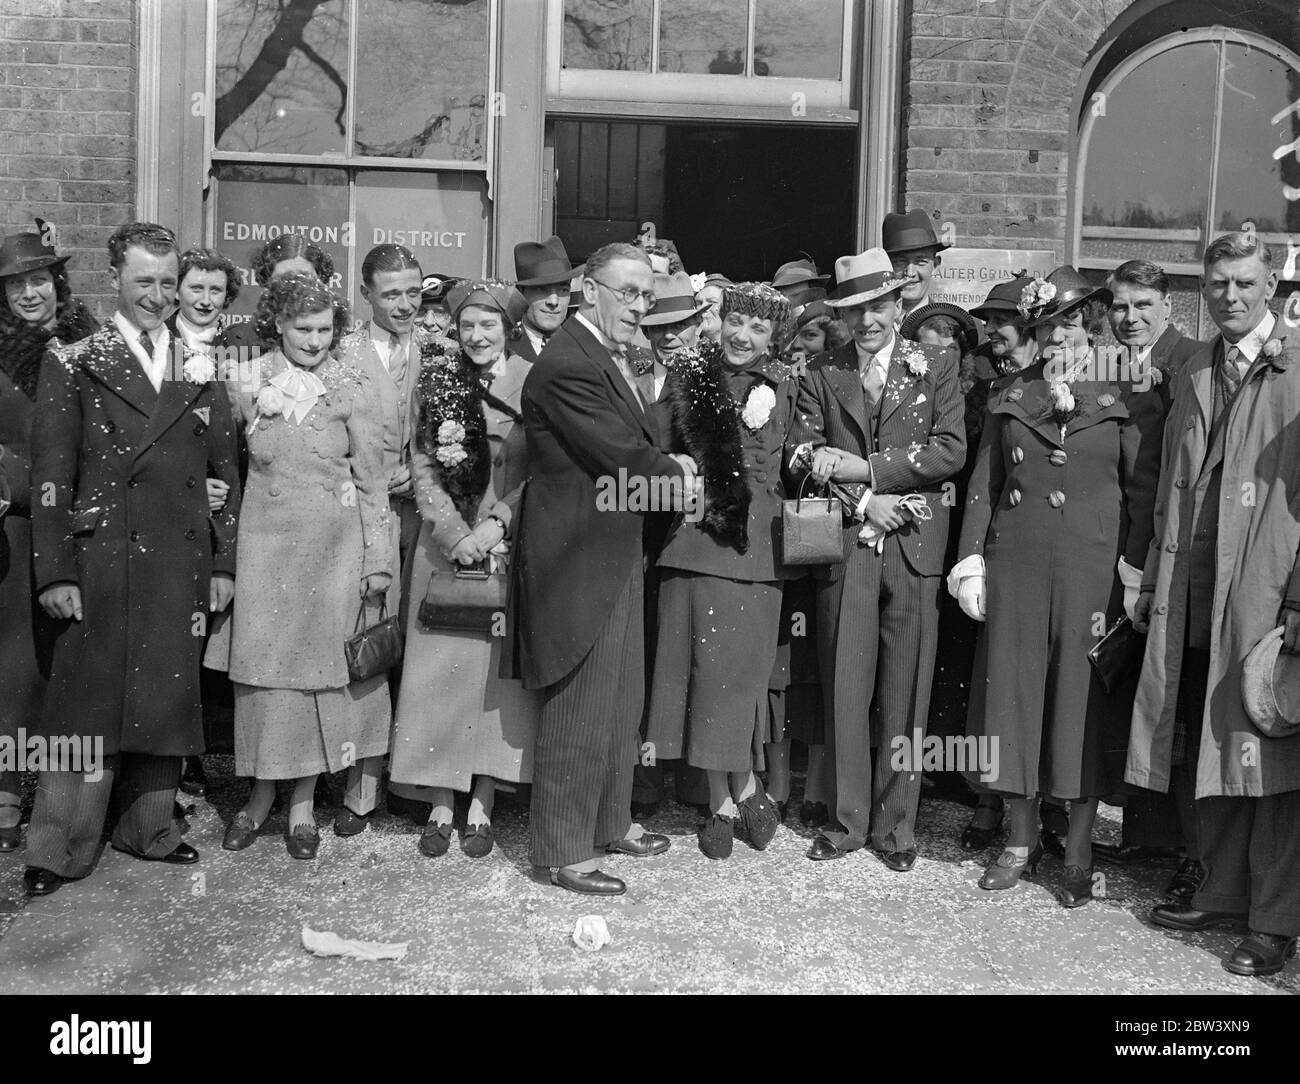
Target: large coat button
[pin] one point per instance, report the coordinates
(1017, 454)
(761, 476)
(110, 427)
(135, 536)
(131, 483)
(1056, 498)
(1014, 497)
(189, 483)
(1180, 483)
(1172, 547)
(274, 491)
(1058, 457)
(1162, 609)
(190, 534)
(199, 427)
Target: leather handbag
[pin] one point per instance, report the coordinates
(467, 599)
(812, 529)
(1117, 656)
(373, 649)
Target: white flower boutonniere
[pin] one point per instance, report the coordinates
(199, 369)
(1273, 348)
(917, 363)
(270, 400)
(758, 407)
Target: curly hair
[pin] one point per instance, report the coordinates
(291, 296)
(1094, 311)
(153, 238)
(289, 246)
(205, 259)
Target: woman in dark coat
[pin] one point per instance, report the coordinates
(1055, 487)
(720, 595)
(39, 311)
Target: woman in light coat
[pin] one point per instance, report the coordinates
(459, 727)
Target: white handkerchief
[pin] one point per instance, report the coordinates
(203, 413)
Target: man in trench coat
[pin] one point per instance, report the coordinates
(127, 558)
(1222, 572)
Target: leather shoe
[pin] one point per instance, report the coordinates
(348, 823)
(823, 850)
(717, 835)
(899, 861)
(241, 833)
(643, 811)
(1261, 954)
(183, 855)
(645, 845)
(594, 883)
(1077, 889)
(303, 841)
(41, 882)
(435, 840)
(476, 840)
(194, 780)
(10, 839)
(1183, 916)
(1184, 884)
(419, 812)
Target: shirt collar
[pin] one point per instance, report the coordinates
(601, 337)
(1253, 341)
(195, 338)
(883, 357)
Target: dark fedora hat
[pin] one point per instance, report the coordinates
(1004, 297)
(969, 335)
(797, 273)
(543, 264)
(23, 252)
(905, 232)
(1069, 290)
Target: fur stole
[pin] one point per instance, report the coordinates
(22, 345)
(707, 422)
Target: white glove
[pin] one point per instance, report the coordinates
(1131, 578)
(970, 596)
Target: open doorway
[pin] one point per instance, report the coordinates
(741, 199)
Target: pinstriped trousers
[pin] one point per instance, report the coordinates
(877, 631)
(68, 815)
(587, 741)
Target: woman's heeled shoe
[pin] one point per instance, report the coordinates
(435, 840)
(302, 841)
(1005, 870)
(476, 842)
(976, 838)
(1050, 842)
(1077, 889)
(241, 833)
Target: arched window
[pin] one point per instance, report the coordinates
(1192, 135)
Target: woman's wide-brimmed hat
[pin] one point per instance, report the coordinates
(1004, 297)
(489, 294)
(674, 301)
(908, 232)
(1069, 289)
(811, 311)
(23, 252)
(1270, 687)
(969, 335)
(544, 263)
(865, 277)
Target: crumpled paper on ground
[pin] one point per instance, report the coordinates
(325, 943)
(590, 933)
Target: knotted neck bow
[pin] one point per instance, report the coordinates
(301, 389)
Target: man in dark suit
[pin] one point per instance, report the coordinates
(128, 559)
(542, 274)
(579, 574)
(886, 416)
(1155, 351)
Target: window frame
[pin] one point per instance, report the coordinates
(667, 89)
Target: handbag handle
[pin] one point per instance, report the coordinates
(361, 613)
(798, 501)
(477, 571)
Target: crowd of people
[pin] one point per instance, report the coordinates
(1004, 515)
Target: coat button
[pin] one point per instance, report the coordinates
(1014, 497)
(1056, 498)
(1180, 483)
(135, 536)
(190, 534)
(110, 427)
(1162, 609)
(1191, 425)
(1058, 457)
(760, 457)
(198, 429)
(189, 483)
(1017, 454)
(274, 491)
(1172, 547)
(761, 476)
(131, 483)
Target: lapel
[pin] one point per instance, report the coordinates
(840, 370)
(595, 349)
(174, 399)
(113, 363)
(900, 385)
(1025, 397)
(509, 386)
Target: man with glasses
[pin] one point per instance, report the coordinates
(579, 590)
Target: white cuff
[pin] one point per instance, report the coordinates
(861, 510)
(1129, 576)
(967, 566)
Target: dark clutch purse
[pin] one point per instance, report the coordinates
(467, 599)
(373, 649)
(812, 530)
(1117, 656)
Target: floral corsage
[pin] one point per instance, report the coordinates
(758, 407)
(918, 365)
(1035, 297)
(198, 368)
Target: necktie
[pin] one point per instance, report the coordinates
(619, 354)
(150, 369)
(873, 381)
(1231, 373)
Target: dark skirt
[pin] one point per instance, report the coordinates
(713, 665)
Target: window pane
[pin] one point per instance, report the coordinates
(703, 36)
(613, 35)
(440, 217)
(803, 40)
(1248, 185)
(281, 78)
(257, 203)
(1149, 157)
(421, 79)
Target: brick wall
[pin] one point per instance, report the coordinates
(67, 128)
(988, 93)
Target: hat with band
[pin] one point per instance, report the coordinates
(865, 277)
(23, 252)
(674, 301)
